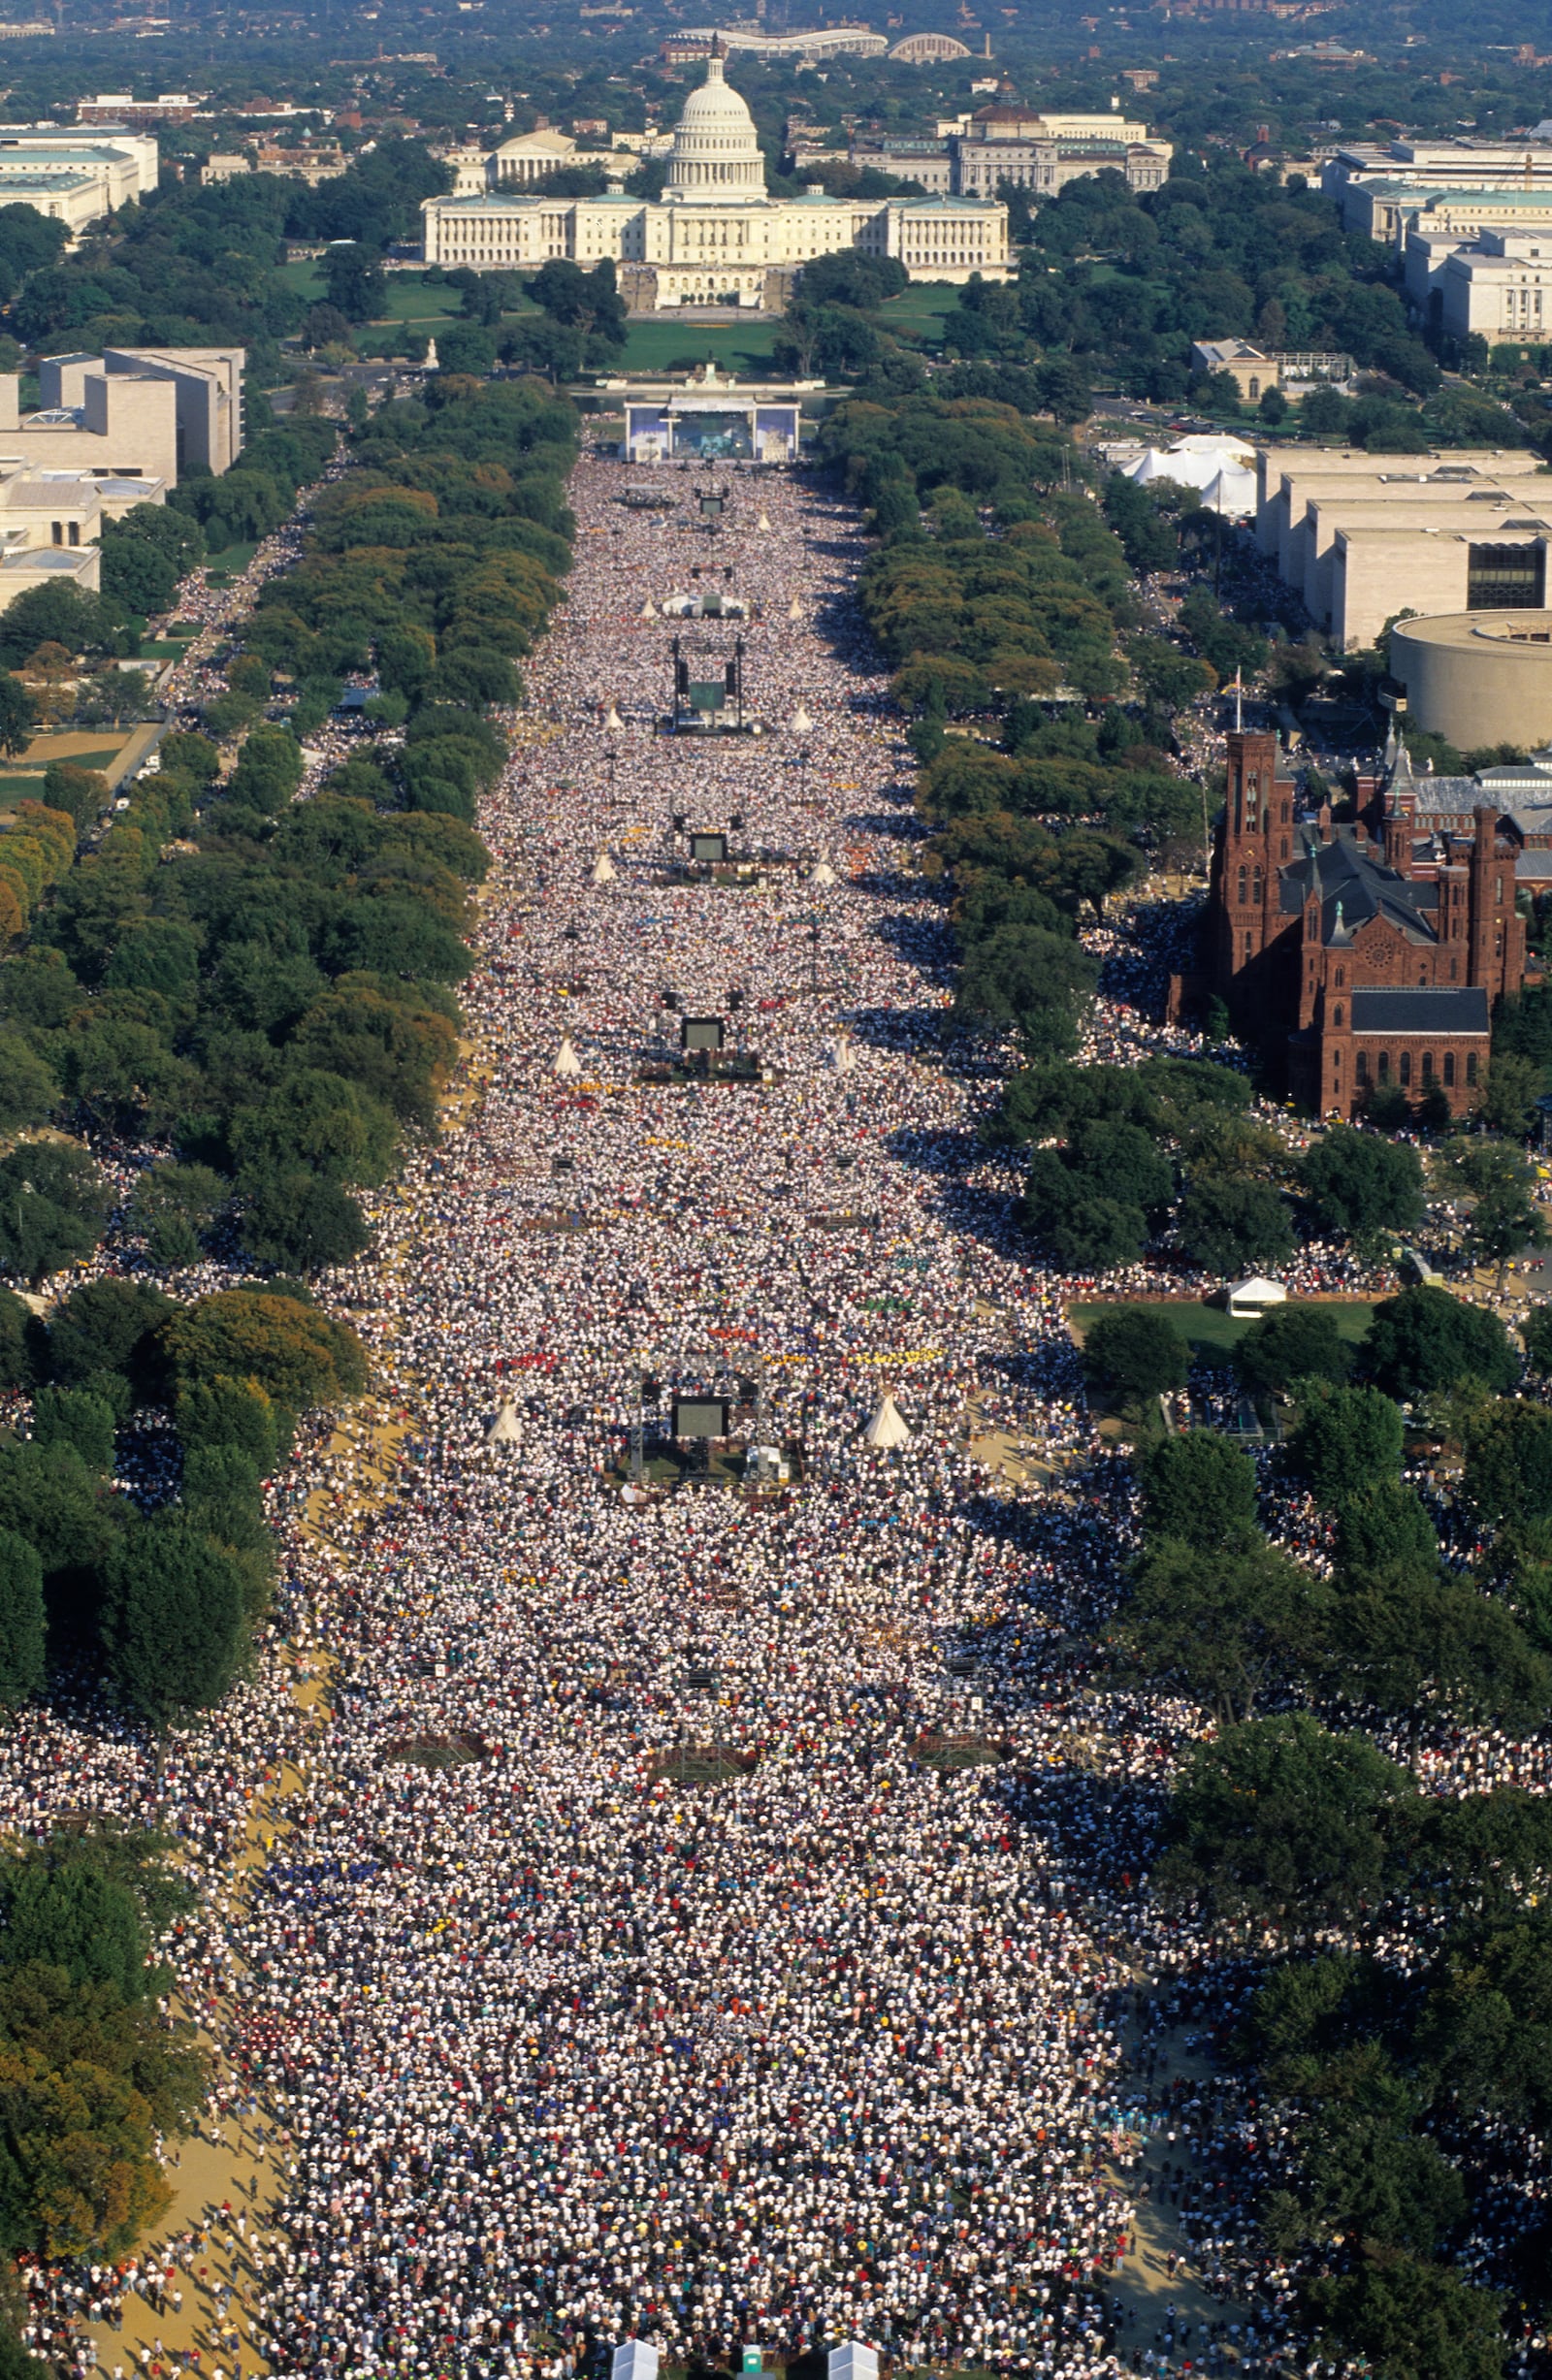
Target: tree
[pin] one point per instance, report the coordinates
(19, 717)
(51, 615)
(53, 1205)
(1279, 1820)
(173, 1204)
(1135, 1352)
(1505, 1218)
(1363, 1186)
(1509, 1464)
(1230, 1227)
(1385, 1526)
(301, 1357)
(18, 1334)
(1408, 2319)
(1347, 1440)
(225, 1412)
(49, 1497)
(300, 1219)
(82, 793)
(74, 1417)
(1289, 1343)
(1229, 1622)
(1028, 983)
(1535, 1331)
(355, 280)
(22, 1621)
(1199, 1489)
(1425, 1339)
(172, 1618)
(1513, 1086)
(70, 1912)
(28, 1091)
(107, 1328)
(1409, 1636)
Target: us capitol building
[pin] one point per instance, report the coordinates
(714, 237)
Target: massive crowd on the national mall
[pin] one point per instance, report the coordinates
(714, 1913)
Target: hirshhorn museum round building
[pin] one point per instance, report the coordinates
(1477, 677)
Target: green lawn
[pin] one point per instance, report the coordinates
(305, 278)
(742, 348)
(917, 313)
(1211, 1332)
(232, 558)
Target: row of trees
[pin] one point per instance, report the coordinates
(265, 990)
(1397, 2024)
(92, 2074)
(161, 1604)
(1123, 1156)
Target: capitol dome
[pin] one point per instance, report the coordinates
(715, 157)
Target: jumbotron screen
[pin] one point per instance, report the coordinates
(700, 1033)
(699, 1417)
(708, 847)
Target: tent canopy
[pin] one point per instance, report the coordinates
(566, 1061)
(604, 869)
(888, 1425)
(1249, 1297)
(505, 1429)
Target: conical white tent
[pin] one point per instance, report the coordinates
(800, 723)
(504, 1429)
(794, 609)
(822, 873)
(604, 869)
(613, 722)
(845, 1057)
(763, 523)
(649, 609)
(566, 1061)
(886, 1428)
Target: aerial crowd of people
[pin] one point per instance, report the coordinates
(714, 1910)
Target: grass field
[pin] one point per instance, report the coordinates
(232, 558)
(917, 313)
(742, 348)
(1210, 1333)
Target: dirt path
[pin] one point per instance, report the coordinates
(1159, 2286)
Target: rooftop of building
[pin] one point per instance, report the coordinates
(1354, 885)
(1421, 1008)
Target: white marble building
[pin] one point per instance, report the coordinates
(715, 236)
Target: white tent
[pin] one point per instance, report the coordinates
(1253, 1295)
(794, 609)
(822, 873)
(845, 1056)
(566, 1061)
(649, 609)
(1232, 492)
(604, 869)
(613, 722)
(1195, 463)
(800, 723)
(886, 1428)
(505, 1429)
(763, 523)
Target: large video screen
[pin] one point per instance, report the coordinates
(647, 435)
(700, 1033)
(699, 1417)
(776, 434)
(714, 435)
